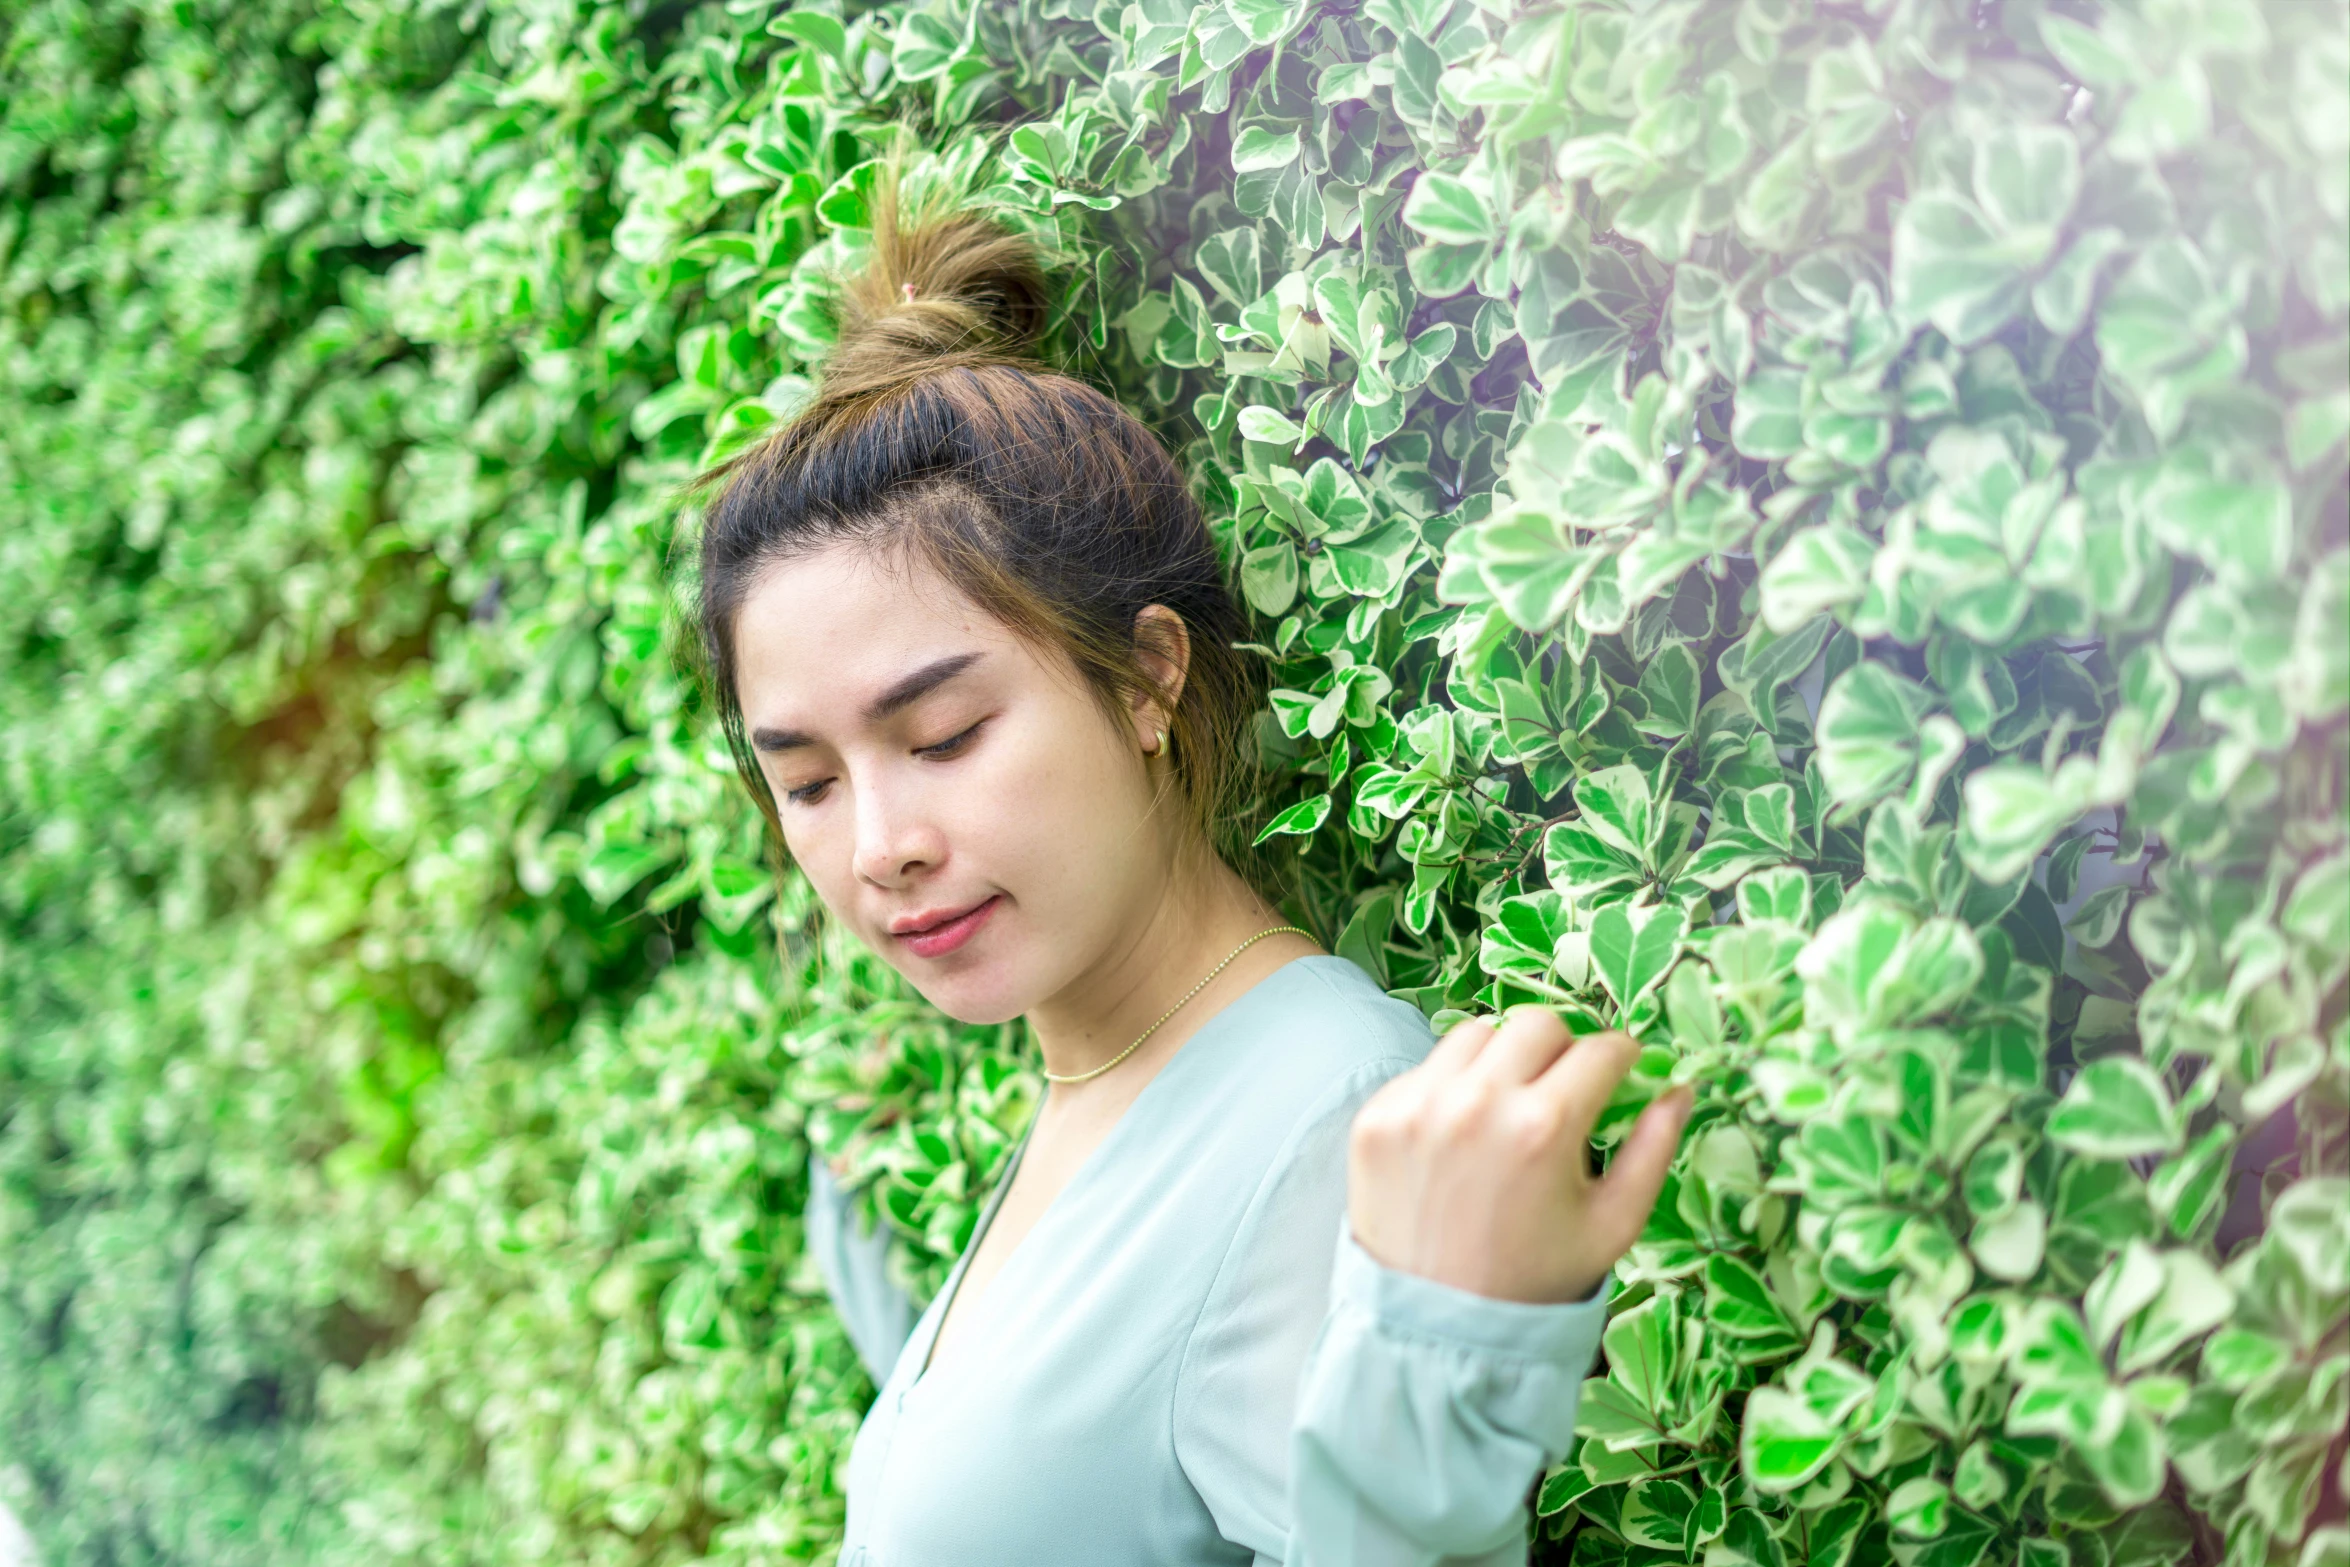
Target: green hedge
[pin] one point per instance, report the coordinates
(1816, 531)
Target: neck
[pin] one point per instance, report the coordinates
(1186, 934)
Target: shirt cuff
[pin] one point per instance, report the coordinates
(1426, 1412)
(1565, 1334)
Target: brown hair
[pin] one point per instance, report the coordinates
(934, 434)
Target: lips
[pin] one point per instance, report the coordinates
(946, 935)
(929, 920)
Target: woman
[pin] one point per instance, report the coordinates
(1273, 1276)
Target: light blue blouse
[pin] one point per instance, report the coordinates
(1189, 1359)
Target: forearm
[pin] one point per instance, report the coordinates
(1425, 1414)
(878, 1314)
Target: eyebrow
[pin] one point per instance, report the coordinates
(909, 690)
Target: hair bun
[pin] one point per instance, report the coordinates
(938, 283)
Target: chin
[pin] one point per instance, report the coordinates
(979, 989)
(984, 981)
(971, 1000)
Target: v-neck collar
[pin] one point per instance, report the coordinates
(995, 1199)
(1085, 1168)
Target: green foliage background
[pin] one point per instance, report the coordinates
(1815, 530)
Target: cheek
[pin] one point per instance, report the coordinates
(1063, 799)
(1015, 799)
(820, 843)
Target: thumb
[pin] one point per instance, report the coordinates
(1637, 1173)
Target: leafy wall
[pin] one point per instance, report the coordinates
(1816, 531)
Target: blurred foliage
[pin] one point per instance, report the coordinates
(385, 1177)
(1814, 531)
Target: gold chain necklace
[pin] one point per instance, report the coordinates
(1080, 1077)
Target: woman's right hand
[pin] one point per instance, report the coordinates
(1471, 1168)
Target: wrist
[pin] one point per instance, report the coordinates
(1485, 1274)
(1418, 1306)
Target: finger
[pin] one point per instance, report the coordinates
(1579, 1084)
(1531, 1037)
(1462, 1043)
(1621, 1205)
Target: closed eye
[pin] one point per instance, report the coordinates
(808, 794)
(952, 744)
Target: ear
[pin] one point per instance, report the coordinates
(1162, 644)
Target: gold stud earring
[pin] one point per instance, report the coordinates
(1160, 749)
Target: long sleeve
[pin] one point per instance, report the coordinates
(878, 1315)
(1425, 1415)
(1342, 1414)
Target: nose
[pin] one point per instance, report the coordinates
(897, 835)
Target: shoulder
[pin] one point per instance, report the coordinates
(1314, 1039)
(1354, 1021)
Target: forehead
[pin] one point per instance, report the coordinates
(826, 630)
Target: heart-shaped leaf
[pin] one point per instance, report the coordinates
(1633, 948)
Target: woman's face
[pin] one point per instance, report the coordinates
(932, 770)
